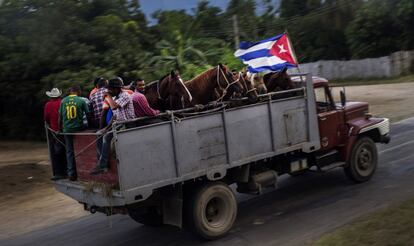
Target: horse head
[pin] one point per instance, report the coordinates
(249, 89)
(227, 83)
(173, 89)
(278, 81)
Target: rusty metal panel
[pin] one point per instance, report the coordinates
(296, 131)
(249, 132)
(86, 160)
(146, 155)
(200, 143)
(289, 122)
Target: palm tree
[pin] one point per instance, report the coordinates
(185, 53)
(178, 54)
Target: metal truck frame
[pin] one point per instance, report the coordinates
(182, 171)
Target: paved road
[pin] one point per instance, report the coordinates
(301, 210)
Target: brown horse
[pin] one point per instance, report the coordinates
(215, 84)
(248, 86)
(278, 81)
(258, 83)
(161, 94)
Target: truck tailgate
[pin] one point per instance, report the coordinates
(86, 160)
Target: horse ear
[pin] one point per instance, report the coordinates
(284, 70)
(172, 73)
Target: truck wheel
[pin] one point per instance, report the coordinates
(363, 160)
(150, 218)
(212, 210)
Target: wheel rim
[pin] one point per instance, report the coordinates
(365, 161)
(216, 213)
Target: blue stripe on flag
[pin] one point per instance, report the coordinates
(245, 45)
(255, 54)
(276, 67)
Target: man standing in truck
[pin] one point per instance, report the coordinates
(122, 107)
(72, 112)
(56, 148)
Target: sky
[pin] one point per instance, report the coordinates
(150, 6)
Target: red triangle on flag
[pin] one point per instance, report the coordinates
(281, 49)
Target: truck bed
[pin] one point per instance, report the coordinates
(203, 145)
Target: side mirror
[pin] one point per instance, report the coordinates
(343, 98)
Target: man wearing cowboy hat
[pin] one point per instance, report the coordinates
(56, 149)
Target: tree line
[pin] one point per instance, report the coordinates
(61, 43)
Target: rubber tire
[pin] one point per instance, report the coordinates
(196, 218)
(150, 218)
(351, 169)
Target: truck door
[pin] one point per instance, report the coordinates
(328, 118)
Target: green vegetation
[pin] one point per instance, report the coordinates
(60, 43)
(391, 226)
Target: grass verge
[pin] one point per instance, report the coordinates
(390, 226)
(401, 79)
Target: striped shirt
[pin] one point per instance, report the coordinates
(141, 106)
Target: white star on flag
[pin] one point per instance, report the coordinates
(282, 50)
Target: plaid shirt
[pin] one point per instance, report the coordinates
(126, 107)
(96, 101)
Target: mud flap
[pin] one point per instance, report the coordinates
(172, 207)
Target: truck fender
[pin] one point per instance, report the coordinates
(378, 132)
(375, 128)
(346, 150)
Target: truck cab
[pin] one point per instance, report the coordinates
(342, 125)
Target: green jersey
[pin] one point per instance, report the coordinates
(72, 109)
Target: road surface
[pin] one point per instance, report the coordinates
(300, 211)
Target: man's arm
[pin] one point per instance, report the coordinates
(111, 101)
(88, 112)
(146, 107)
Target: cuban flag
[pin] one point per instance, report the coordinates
(272, 54)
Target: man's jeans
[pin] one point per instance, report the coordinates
(57, 154)
(103, 149)
(70, 156)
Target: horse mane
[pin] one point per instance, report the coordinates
(202, 77)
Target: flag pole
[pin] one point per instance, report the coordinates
(292, 51)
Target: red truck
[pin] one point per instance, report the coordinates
(179, 171)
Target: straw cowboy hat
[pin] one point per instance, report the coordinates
(55, 92)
